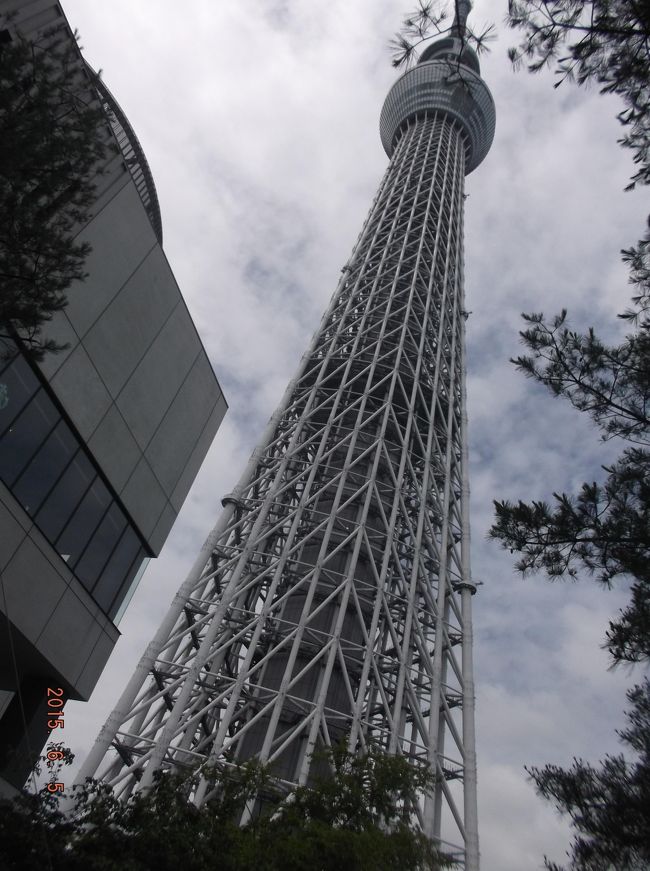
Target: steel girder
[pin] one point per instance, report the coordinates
(332, 601)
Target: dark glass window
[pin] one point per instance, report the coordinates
(63, 500)
(125, 592)
(100, 546)
(120, 570)
(45, 468)
(25, 435)
(83, 523)
(17, 385)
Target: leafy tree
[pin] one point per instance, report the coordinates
(429, 20)
(604, 528)
(53, 145)
(601, 41)
(607, 43)
(608, 806)
(355, 816)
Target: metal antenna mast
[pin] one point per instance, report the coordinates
(332, 600)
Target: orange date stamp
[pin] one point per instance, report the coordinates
(57, 754)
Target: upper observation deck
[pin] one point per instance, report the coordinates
(447, 78)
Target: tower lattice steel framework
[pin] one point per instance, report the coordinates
(332, 600)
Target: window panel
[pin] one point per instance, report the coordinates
(72, 541)
(25, 435)
(129, 586)
(120, 569)
(100, 546)
(17, 385)
(66, 496)
(46, 466)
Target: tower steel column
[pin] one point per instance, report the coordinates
(332, 601)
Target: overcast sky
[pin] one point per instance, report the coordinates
(260, 123)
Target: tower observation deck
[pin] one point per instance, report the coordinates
(332, 600)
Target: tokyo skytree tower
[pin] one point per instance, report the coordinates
(332, 600)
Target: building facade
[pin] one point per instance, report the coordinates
(99, 443)
(332, 601)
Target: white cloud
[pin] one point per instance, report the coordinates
(517, 829)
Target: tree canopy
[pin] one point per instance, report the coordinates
(606, 43)
(608, 805)
(430, 19)
(53, 146)
(603, 530)
(356, 816)
(600, 41)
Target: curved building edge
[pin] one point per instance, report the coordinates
(132, 152)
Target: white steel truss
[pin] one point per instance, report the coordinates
(332, 601)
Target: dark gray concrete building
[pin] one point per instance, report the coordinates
(99, 444)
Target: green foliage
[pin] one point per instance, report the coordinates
(601, 41)
(606, 42)
(160, 828)
(355, 816)
(53, 144)
(605, 528)
(638, 258)
(427, 21)
(608, 805)
(612, 384)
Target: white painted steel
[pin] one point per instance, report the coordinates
(332, 601)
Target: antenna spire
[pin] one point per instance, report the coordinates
(463, 8)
